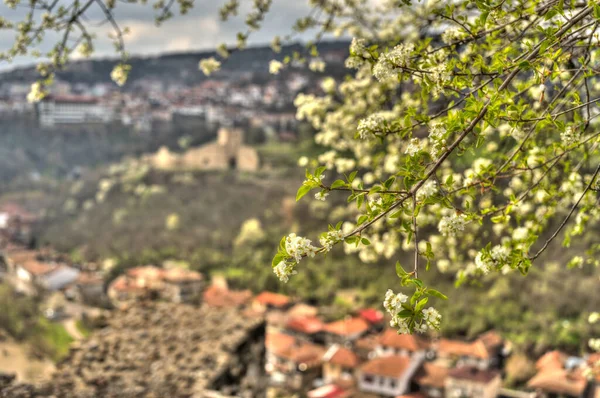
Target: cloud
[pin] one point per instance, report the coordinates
(200, 29)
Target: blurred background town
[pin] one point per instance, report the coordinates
(137, 226)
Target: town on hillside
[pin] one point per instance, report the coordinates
(303, 352)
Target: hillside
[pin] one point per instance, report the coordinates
(181, 68)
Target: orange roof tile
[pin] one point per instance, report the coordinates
(391, 338)
(558, 381)
(181, 275)
(347, 327)
(216, 296)
(35, 267)
(124, 284)
(459, 348)
(149, 272)
(473, 374)
(272, 299)
(551, 360)
(292, 349)
(367, 343)
(307, 325)
(431, 375)
(277, 342)
(392, 366)
(303, 310)
(341, 356)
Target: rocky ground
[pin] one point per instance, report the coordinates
(161, 350)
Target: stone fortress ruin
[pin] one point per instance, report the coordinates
(228, 152)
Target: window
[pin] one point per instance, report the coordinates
(368, 379)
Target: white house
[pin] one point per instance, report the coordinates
(55, 110)
(390, 375)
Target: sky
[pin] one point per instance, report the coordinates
(200, 29)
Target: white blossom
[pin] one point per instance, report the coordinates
(432, 317)
(120, 73)
(392, 62)
(316, 65)
(413, 147)
(594, 344)
(450, 225)
(284, 271)
(393, 302)
(594, 317)
(275, 66)
(209, 65)
(520, 233)
(37, 93)
(569, 136)
(297, 247)
(428, 189)
(322, 195)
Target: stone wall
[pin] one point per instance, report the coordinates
(162, 350)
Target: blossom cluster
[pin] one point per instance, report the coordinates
(437, 133)
(331, 238)
(413, 147)
(428, 189)
(209, 65)
(284, 270)
(495, 259)
(450, 225)
(391, 63)
(298, 247)
(569, 136)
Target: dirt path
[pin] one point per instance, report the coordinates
(14, 358)
(71, 328)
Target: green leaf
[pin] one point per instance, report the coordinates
(421, 304)
(352, 176)
(399, 270)
(435, 293)
(277, 259)
(405, 314)
(365, 241)
(338, 183)
(303, 190)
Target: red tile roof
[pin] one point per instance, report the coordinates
(277, 342)
(431, 375)
(473, 374)
(391, 338)
(71, 99)
(347, 327)
(149, 272)
(371, 315)
(459, 348)
(341, 356)
(292, 349)
(559, 381)
(306, 325)
(216, 296)
(392, 366)
(176, 275)
(272, 299)
(551, 360)
(302, 310)
(328, 391)
(37, 268)
(124, 284)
